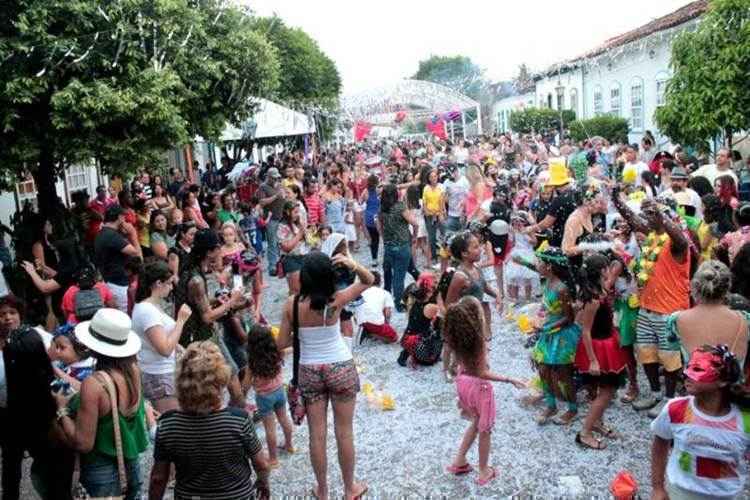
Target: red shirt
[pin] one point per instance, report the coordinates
(315, 209)
(69, 300)
(95, 225)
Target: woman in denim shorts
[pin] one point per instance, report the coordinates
(326, 368)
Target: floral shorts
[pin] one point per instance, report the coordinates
(337, 381)
(158, 386)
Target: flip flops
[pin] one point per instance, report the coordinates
(600, 445)
(459, 470)
(487, 480)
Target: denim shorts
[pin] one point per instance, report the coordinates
(292, 263)
(100, 478)
(269, 403)
(158, 386)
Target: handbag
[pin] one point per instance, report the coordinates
(293, 393)
(79, 492)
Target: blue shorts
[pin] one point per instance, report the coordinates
(269, 403)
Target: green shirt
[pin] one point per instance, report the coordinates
(132, 430)
(227, 216)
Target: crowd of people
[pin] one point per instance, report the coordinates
(136, 318)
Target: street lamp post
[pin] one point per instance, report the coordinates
(560, 93)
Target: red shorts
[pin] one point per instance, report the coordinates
(384, 332)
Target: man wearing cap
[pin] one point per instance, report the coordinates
(272, 200)
(111, 251)
(680, 191)
(563, 204)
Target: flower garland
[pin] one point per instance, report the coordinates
(650, 251)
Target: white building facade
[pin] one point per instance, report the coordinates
(501, 109)
(626, 77)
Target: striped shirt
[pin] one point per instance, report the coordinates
(315, 209)
(211, 453)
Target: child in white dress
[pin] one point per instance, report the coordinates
(516, 275)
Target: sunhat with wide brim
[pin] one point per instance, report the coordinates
(109, 333)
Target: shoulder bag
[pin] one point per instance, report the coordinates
(293, 393)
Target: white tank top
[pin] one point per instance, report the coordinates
(322, 345)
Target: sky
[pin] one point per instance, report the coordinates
(377, 42)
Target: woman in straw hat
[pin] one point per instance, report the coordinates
(86, 420)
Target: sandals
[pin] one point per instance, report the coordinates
(544, 417)
(605, 431)
(600, 445)
(488, 480)
(459, 470)
(564, 420)
(629, 397)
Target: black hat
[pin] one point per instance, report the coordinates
(205, 241)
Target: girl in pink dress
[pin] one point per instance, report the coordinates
(462, 330)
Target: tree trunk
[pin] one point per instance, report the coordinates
(45, 180)
(729, 135)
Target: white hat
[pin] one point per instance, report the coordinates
(109, 333)
(499, 227)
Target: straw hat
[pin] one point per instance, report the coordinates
(558, 174)
(109, 333)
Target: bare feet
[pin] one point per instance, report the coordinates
(287, 447)
(319, 494)
(358, 490)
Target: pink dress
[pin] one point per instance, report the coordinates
(476, 400)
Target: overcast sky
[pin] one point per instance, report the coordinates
(377, 42)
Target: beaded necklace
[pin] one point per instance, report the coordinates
(650, 252)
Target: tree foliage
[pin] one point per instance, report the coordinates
(612, 128)
(456, 72)
(539, 119)
(121, 81)
(709, 93)
(308, 76)
(523, 82)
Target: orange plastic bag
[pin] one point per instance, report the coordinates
(623, 486)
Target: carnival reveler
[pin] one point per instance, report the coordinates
(616, 272)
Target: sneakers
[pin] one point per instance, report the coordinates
(654, 412)
(646, 402)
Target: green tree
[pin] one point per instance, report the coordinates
(539, 119)
(120, 81)
(612, 128)
(709, 94)
(456, 72)
(308, 76)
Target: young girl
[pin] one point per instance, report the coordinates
(555, 350)
(517, 275)
(71, 362)
(264, 362)
(421, 341)
(700, 441)
(462, 330)
(600, 358)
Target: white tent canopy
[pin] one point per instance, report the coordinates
(270, 120)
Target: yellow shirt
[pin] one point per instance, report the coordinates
(431, 200)
(708, 241)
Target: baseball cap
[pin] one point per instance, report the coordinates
(273, 172)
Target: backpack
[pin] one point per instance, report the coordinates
(87, 302)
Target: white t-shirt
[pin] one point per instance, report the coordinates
(375, 299)
(145, 316)
(709, 453)
(694, 197)
(712, 172)
(456, 192)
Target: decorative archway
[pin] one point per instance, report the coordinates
(420, 99)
